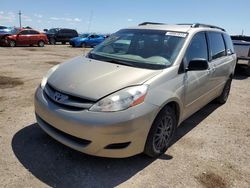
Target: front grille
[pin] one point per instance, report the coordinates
(76, 140)
(71, 102)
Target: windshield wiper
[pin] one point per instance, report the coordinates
(97, 57)
(119, 62)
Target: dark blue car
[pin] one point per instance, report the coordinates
(86, 40)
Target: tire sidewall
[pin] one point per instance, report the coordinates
(41, 43)
(83, 45)
(52, 41)
(150, 149)
(12, 43)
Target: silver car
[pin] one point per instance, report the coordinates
(129, 94)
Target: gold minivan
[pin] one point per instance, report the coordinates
(129, 94)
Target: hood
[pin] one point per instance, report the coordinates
(94, 79)
(11, 36)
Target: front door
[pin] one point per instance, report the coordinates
(196, 83)
(23, 38)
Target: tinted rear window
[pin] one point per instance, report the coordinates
(217, 45)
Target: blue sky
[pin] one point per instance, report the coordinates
(111, 15)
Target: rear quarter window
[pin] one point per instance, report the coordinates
(229, 44)
(217, 45)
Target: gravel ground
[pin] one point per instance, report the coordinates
(211, 149)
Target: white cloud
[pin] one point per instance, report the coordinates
(77, 20)
(54, 18)
(130, 19)
(9, 17)
(1, 12)
(65, 19)
(38, 15)
(26, 18)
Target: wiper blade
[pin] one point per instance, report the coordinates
(119, 62)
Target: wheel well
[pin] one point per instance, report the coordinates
(175, 106)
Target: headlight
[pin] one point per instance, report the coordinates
(45, 78)
(121, 100)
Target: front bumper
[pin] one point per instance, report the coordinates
(96, 133)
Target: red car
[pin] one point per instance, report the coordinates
(22, 37)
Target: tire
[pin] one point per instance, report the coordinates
(222, 99)
(40, 43)
(83, 45)
(247, 71)
(52, 41)
(161, 133)
(12, 43)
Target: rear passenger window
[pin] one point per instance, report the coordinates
(217, 45)
(25, 32)
(197, 48)
(229, 44)
(32, 32)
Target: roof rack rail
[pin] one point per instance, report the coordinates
(195, 25)
(206, 25)
(150, 23)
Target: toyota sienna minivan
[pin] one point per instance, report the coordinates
(129, 94)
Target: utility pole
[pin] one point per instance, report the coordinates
(242, 32)
(20, 18)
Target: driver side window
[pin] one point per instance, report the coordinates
(197, 48)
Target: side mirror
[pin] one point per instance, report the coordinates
(197, 64)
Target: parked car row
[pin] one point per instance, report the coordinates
(23, 37)
(16, 36)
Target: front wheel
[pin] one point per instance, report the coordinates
(161, 133)
(222, 99)
(12, 43)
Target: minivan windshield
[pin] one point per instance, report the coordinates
(153, 49)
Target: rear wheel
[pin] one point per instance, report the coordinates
(161, 133)
(12, 43)
(40, 43)
(83, 45)
(222, 99)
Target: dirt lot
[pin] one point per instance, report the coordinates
(211, 149)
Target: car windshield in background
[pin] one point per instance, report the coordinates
(52, 31)
(14, 31)
(154, 49)
(84, 35)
